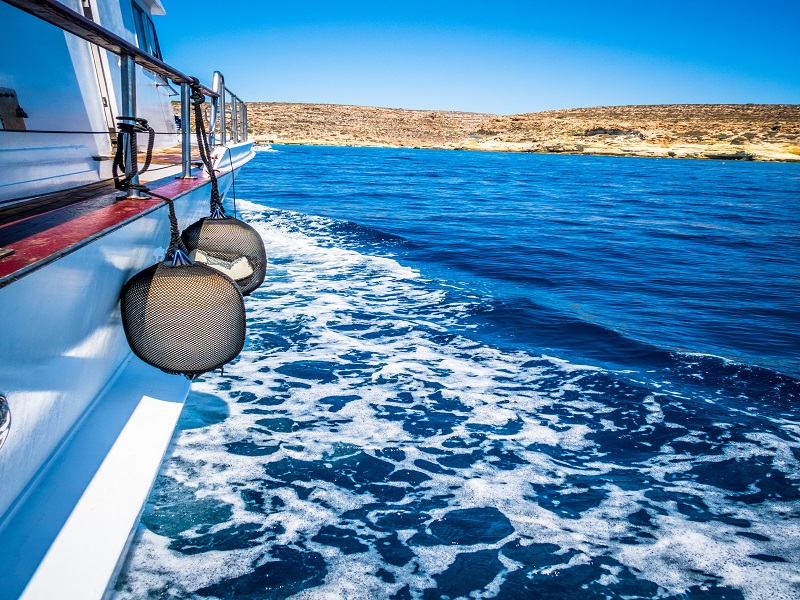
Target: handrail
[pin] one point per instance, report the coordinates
(67, 19)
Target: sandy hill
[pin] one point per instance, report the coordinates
(723, 131)
(360, 125)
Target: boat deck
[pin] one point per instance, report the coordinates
(38, 231)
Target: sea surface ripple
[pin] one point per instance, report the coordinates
(478, 375)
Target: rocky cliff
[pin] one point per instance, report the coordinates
(722, 131)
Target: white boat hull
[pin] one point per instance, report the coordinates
(90, 421)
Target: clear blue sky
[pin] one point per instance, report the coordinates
(495, 56)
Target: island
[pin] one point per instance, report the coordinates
(763, 132)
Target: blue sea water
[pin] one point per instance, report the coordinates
(487, 375)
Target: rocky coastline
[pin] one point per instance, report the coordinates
(763, 132)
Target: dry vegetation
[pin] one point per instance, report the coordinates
(724, 131)
(360, 125)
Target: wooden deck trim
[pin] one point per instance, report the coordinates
(42, 238)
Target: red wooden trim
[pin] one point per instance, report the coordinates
(56, 240)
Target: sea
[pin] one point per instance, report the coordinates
(496, 375)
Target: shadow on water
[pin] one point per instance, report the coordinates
(521, 323)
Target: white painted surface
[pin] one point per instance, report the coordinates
(85, 445)
(232, 156)
(66, 538)
(61, 345)
(62, 338)
(54, 76)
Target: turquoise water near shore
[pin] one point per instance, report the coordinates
(498, 376)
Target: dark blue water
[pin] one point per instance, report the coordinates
(497, 376)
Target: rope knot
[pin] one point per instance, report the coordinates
(142, 126)
(127, 128)
(197, 94)
(126, 124)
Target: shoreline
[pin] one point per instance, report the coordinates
(745, 132)
(687, 153)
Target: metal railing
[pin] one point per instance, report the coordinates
(70, 21)
(236, 109)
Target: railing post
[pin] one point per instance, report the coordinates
(186, 132)
(217, 82)
(245, 135)
(212, 123)
(128, 72)
(238, 120)
(234, 120)
(223, 133)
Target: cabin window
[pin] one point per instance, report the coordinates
(146, 32)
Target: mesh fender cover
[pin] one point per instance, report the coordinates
(228, 239)
(185, 319)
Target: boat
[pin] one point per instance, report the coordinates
(263, 147)
(84, 422)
